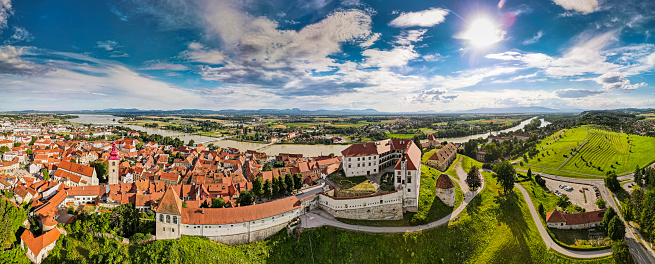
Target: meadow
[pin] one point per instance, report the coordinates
(592, 152)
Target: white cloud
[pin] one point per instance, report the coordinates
(534, 39)
(576, 93)
(370, 41)
(12, 63)
(20, 34)
(616, 81)
(425, 18)
(91, 84)
(582, 6)
(396, 57)
(198, 53)
(5, 12)
(107, 44)
(157, 65)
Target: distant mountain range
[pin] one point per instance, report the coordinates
(296, 111)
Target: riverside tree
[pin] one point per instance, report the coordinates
(473, 179)
(505, 174)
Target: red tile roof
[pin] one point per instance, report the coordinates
(170, 203)
(36, 244)
(575, 219)
(221, 216)
(444, 182)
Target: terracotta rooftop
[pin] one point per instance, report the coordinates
(170, 203)
(575, 219)
(221, 216)
(36, 244)
(444, 182)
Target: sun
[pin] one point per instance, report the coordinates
(483, 32)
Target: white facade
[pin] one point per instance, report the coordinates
(364, 165)
(409, 182)
(37, 258)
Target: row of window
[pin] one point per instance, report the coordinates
(168, 219)
(364, 158)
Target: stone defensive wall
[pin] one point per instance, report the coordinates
(384, 206)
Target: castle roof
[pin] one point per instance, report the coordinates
(36, 244)
(221, 216)
(170, 203)
(444, 182)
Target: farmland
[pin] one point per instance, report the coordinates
(588, 151)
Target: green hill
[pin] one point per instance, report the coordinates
(588, 152)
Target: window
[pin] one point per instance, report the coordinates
(398, 179)
(161, 218)
(348, 165)
(409, 190)
(374, 170)
(168, 219)
(409, 172)
(409, 179)
(174, 219)
(173, 229)
(369, 158)
(397, 172)
(349, 159)
(357, 159)
(369, 164)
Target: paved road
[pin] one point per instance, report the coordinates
(639, 253)
(549, 241)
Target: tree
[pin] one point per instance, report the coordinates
(218, 203)
(529, 173)
(637, 176)
(637, 201)
(505, 174)
(473, 179)
(267, 189)
(648, 211)
(204, 204)
(297, 181)
(191, 142)
(282, 185)
(288, 180)
(257, 188)
(601, 203)
(616, 229)
(267, 167)
(612, 182)
(620, 253)
(101, 168)
(11, 219)
(563, 202)
(138, 146)
(542, 211)
(46, 175)
(245, 198)
(609, 214)
(275, 187)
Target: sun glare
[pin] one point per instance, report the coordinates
(483, 32)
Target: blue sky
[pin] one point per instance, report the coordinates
(323, 54)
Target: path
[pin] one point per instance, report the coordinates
(549, 241)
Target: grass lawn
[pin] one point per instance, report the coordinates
(427, 155)
(359, 184)
(402, 136)
(603, 152)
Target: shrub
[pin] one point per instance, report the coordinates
(601, 203)
(487, 166)
(139, 237)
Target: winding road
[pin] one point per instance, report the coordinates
(319, 218)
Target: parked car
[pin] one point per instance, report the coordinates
(581, 190)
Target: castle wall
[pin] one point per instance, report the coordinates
(387, 206)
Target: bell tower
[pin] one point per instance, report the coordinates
(113, 165)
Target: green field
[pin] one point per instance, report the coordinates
(494, 228)
(601, 151)
(504, 121)
(402, 136)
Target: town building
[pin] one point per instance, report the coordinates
(442, 159)
(73, 174)
(445, 190)
(37, 248)
(584, 220)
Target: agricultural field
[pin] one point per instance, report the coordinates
(649, 116)
(506, 121)
(402, 136)
(600, 151)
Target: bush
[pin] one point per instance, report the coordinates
(601, 203)
(71, 210)
(487, 166)
(139, 237)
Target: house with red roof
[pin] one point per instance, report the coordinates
(441, 159)
(584, 220)
(37, 248)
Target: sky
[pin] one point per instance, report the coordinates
(392, 56)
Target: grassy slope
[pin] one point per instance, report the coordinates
(609, 150)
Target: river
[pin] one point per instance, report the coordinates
(307, 150)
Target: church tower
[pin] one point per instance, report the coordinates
(113, 165)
